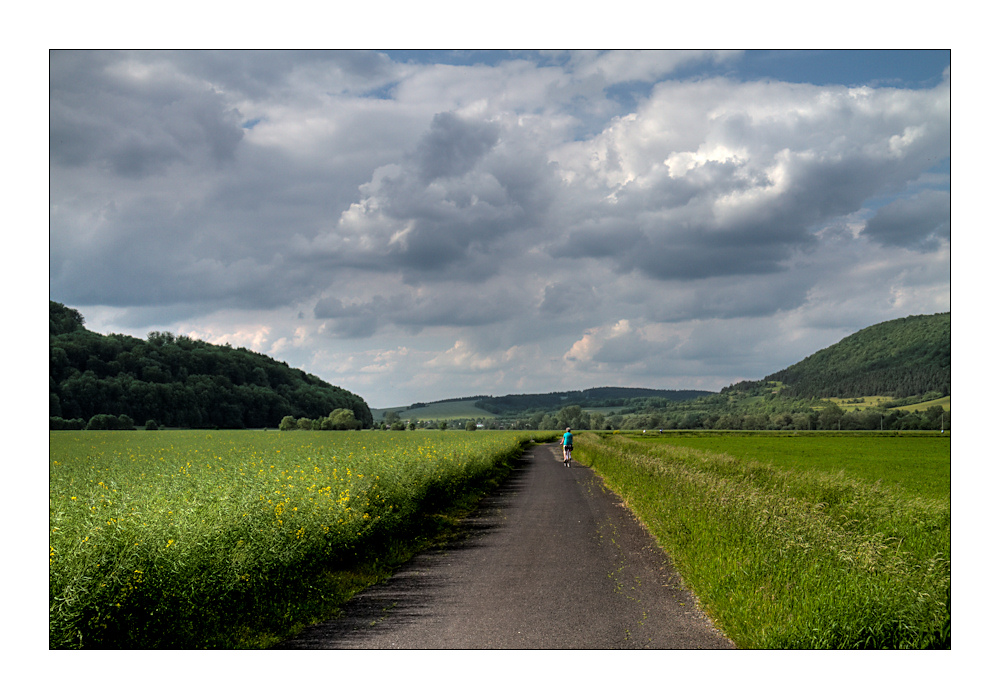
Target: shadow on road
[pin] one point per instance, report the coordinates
(406, 597)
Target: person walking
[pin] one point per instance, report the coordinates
(567, 445)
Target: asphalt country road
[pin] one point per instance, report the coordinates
(551, 560)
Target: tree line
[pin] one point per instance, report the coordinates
(177, 381)
(774, 414)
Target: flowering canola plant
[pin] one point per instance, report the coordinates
(149, 530)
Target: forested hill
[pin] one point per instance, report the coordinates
(905, 357)
(177, 381)
(591, 398)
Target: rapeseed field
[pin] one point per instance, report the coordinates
(174, 538)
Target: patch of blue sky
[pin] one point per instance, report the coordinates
(468, 57)
(629, 94)
(250, 123)
(382, 92)
(903, 68)
(942, 167)
(871, 205)
(912, 69)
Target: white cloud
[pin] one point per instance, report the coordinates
(541, 221)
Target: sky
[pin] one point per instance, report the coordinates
(422, 225)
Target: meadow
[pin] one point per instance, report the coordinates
(915, 463)
(446, 410)
(816, 541)
(235, 539)
(866, 402)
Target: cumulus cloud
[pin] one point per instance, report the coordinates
(587, 208)
(617, 344)
(446, 208)
(718, 178)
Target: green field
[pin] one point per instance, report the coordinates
(914, 463)
(446, 410)
(866, 402)
(821, 540)
(862, 403)
(228, 539)
(191, 539)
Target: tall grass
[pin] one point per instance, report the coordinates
(790, 558)
(228, 539)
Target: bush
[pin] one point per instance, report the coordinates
(110, 422)
(342, 419)
(151, 425)
(58, 423)
(287, 423)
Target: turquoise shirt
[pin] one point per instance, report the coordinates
(568, 439)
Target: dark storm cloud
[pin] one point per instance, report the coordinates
(258, 74)
(453, 146)
(446, 210)
(730, 297)
(922, 222)
(452, 308)
(568, 297)
(157, 197)
(611, 237)
(628, 348)
(105, 113)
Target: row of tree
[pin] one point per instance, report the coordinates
(99, 422)
(831, 417)
(339, 419)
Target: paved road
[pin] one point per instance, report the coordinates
(551, 560)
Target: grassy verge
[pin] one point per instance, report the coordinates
(789, 558)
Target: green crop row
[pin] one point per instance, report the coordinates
(216, 539)
(790, 556)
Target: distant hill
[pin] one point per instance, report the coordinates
(604, 397)
(900, 358)
(514, 405)
(177, 381)
(905, 362)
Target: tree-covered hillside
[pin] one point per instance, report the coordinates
(177, 381)
(905, 357)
